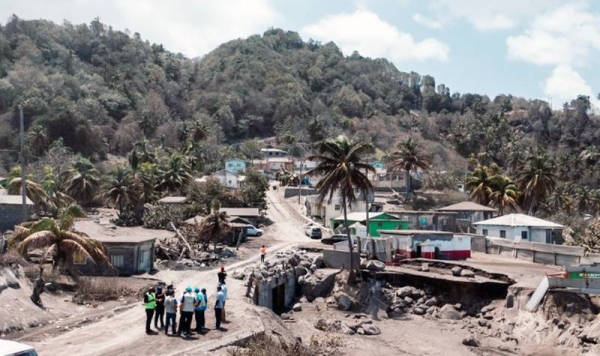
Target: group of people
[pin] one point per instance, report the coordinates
(192, 303)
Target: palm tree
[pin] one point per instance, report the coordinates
(59, 241)
(479, 183)
(57, 199)
(537, 179)
(214, 225)
(408, 157)
(82, 180)
(121, 190)
(37, 138)
(197, 130)
(34, 191)
(504, 193)
(590, 155)
(340, 163)
(144, 151)
(175, 175)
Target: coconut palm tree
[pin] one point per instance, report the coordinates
(144, 151)
(57, 199)
(340, 163)
(59, 241)
(214, 226)
(409, 157)
(81, 180)
(197, 130)
(504, 193)
(479, 183)
(37, 139)
(34, 191)
(590, 155)
(537, 179)
(121, 190)
(175, 175)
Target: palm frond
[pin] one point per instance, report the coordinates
(37, 240)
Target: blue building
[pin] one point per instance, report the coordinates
(235, 165)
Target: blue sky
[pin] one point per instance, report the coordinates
(532, 48)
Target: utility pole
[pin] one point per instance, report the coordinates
(300, 185)
(24, 214)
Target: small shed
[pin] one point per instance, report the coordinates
(428, 244)
(250, 214)
(239, 228)
(377, 221)
(11, 211)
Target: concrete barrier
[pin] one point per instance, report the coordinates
(536, 252)
(294, 192)
(340, 259)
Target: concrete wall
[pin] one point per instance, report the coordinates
(289, 279)
(536, 252)
(10, 215)
(340, 259)
(132, 260)
(294, 191)
(478, 243)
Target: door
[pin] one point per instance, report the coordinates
(145, 262)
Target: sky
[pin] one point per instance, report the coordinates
(542, 49)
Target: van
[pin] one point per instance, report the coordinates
(13, 348)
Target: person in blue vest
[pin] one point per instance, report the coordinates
(149, 306)
(187, 306)
(200, 309)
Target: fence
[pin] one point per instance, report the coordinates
(533, 251)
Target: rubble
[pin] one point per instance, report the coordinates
(470, 341)
(374, 265)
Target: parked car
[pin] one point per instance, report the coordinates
(333, 239)
(313, 232)
(253, 231)
(12, 348)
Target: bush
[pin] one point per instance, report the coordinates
(159, 216)
(12, 258)
(102, 289)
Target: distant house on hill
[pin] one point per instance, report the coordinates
(273, 152)
(467, 213)
(235, 165)
(521, 227)
(229, 179)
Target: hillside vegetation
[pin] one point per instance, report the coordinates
(106, 95)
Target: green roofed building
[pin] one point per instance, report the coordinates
(377, 221)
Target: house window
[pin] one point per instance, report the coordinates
(117, 260)
(484, 232)
(523, 235)
(503, 234)
(337, 207)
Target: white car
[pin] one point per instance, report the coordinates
(12, 348)
(253, 231)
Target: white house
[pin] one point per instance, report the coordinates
(326, 211)
(521, 227)
(235, 165)
(273, 152)
(228, 179)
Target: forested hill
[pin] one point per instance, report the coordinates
(101, 90)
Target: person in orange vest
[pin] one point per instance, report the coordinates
(263, 252)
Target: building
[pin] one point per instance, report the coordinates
(377, 221)
(442, 245)
(427, 220)
(11, 211)
(467, 213)
(249, 214)
(273, 152)
(239, 228)
(228, 179)
(235, 165)
(270, 165)
(327, 210)
(521, 227)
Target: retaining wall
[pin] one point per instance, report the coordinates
(533, 251)
(340, 259)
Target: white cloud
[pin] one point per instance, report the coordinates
(488, 15)
(427, 22)
(565, 84)
(193, 27)
(566, 35)
(366, 33)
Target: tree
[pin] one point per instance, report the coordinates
(60, 242)
(504, 193)
(82, 180)
(254, 189)
(537, 179)
(121, 190)
(57, 198)
(340, 163)
(408, 157)
(34, 191)
(175, 174)
(479, 183)
(37, 139)
(214, 225)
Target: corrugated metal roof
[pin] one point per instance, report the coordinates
(241, 211)
(13, 200)
(359, 216)
(467, 206)
(173, 200)
(519, 220)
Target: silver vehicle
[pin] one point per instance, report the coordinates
(253, 231)
(12, 348)
(313, 232)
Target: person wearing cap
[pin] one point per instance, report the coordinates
(199, 311)
(159, 314)
(171, 311)
(149, 305)
(222, 275)
(188, 303)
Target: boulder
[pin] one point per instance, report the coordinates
(431, 302)
(363, 263)
(313, 268)
(238, 275)
(421, 300)
(482, 322)
(319, 262)
(319, 300)
(374, 265)
(467, 273)
(360, 331)
(227, 253)
(8, 279)
(418, 311)
(448, 312)
(343, 300)
(286, 316)
(470, 341)
(458, 306)
(406, 291)
(371, 329)
(456, 271)
(315, 286)
(487, 309)
(409, 300)
(297, 307)
(344, 329)
(431, 310)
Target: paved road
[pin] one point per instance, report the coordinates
(123, 333)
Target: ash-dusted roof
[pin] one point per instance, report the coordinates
(173, 200)
(467, 206)
(241, 211)
(13, 200)
(195, 220)
(359, 216)
(513, 220)
(416, 232)
(116, 234)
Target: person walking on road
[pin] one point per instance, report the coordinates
(263, 252)
(149, 305)
(160, 309)
(224, 290)
(200, 308)
(222, 275)
(220, 301)
(171, 312)
(188, 303)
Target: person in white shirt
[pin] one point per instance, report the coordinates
(219, 304)
(224, 290)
